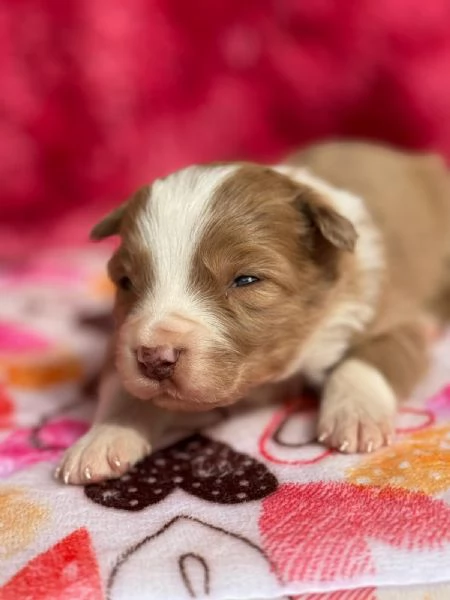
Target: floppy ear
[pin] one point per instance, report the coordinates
(110, 225)
(322, 217)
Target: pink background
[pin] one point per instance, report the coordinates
(100, 96)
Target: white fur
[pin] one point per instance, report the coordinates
(329, 343)
(123, 432)
(172, 226)
(357, 409)
(106, 450)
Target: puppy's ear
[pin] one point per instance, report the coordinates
(325, 220)
(109, 225)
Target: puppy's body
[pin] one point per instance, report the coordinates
(408, 199)
(239, 278)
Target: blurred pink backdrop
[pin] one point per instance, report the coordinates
(99, 96)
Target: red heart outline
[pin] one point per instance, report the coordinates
(294, 406)
(277, 419)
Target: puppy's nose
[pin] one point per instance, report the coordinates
(157, 363)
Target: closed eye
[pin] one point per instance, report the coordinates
(125, 283)
(244, 280)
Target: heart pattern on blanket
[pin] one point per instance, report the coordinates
(200, 466)
(66, 571)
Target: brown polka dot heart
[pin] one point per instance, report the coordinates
(198, 465)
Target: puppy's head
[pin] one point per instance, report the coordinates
(223, 274)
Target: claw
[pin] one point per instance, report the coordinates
(343, 447)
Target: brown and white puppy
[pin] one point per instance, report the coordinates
(233, 279)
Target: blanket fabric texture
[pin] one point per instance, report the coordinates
(235, 504)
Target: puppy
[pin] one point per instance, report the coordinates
(235, 279)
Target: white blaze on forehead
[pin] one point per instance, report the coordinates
(172, 225)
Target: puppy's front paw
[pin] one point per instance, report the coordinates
(105, 452)
(357, 409)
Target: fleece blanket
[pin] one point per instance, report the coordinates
(236, 504)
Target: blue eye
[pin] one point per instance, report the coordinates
(243, 280)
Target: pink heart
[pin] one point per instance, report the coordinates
(307, 539)
(15, 340)
(28, 446)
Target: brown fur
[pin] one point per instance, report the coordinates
(409, 198)
(265, 224)
(287, 234)
(314, 292)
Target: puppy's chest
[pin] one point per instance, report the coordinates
(332, 340)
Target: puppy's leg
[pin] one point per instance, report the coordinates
(360, 395)
(122, 433)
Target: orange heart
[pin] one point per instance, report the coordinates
(34, 372)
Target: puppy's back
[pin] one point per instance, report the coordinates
(408, 196)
